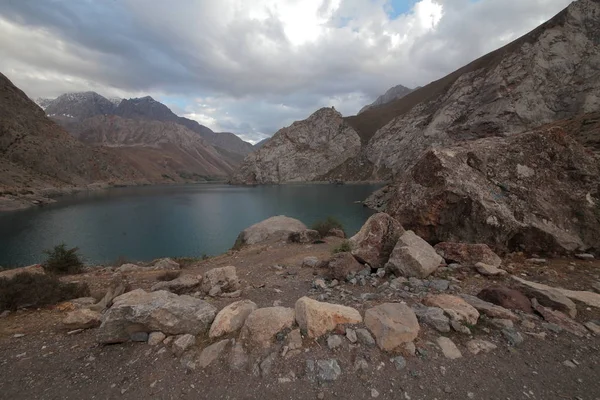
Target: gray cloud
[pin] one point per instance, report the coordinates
(250, 67)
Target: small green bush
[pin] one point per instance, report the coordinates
(343, 247)
(63, 261)
(324, 226)
(36, 290)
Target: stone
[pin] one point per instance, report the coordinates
(585, 256)
(117, 287)
(441, 285)
(131, 268)
(156, 338)
(507, 298)
(183, 343)
(399, 362)
(351, 335)
(319, 283)
(588, 298)
(343, 265)
(489, 270)
(334, 341)
(139, 337)
(569, 364)
(392, 324)
(83, 318)
(336, 232)
(477, 346)
(212, 353)
(183, 284)
(83, 302)
(270, 230)
(596, 287)
(140, 311)
(328, 370)
(305, 236)
(374, 393)
(593, 327)
(547, 296)
(468, 254)
(165, 264)
(376, 239)
(559, 318)
(225, 278)
(238, 359)
(514, 338)
(459, 327)
(310, 262)
(266, 365)
(502, 323)
(456, 308)
(364, 337)
(317, 318)
(4, 313)
(263, 324)
(231, 318)
(413, 257)
(489, 309)
(294, 339)
(448, 348)
(232, 295)
(398, 283)
(432, 316)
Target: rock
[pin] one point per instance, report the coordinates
(140, 311)
(593, 327)
(319, 283)
(351, 335)
(489, 309)
(399, 362)
(183, 343)
(477, 346)
(212, 353)
(305, 236)
(118, 286)
(468, 254)
(310, 262)
(5, 314)
(83, 318)
(547, 296)
(317, 318)
(181, 285)
(83, 302)
(588, 298)
(335, 232)
(375, 241)
(139, 337)
(214, 291)
(585, 256)
(266, 365)
(334, 341)
(238, 359)
(294, 340)
(392, 324)
(560, 319)
(502, 323)
(489, 270)
(507, 298)
(156, 338)
(364, 337)
(374, 393)
(131, 268)
(231, 318)
(270, 230)
(537, 260)
(343, 265)
(224, 278)
(328, 370)
(514, 338)
(263, 324)
(398, 283)
(448, 348)
(441, 285)
(432, 316)
(569, 364)
(232, 295)
(165, 264)
(596, 287)
(456, 308)
(459, 327)
(413, 257)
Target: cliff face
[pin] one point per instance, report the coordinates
(302, 151)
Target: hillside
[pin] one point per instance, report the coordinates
(394, 93)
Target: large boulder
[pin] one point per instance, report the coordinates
(263, 324)
(547, 296)
(317, 318)
(270, 230)
(83, 318)
(535, 192)
(224, 279)
(413, 257)
(231, 318)
(468, 254)
(140, 311)
(392, 324)
(181, 285)
(506, 298)
(456, 308)
(489, 309)
(341, 265)
(304, 237)
(375, 241)
(560, 319)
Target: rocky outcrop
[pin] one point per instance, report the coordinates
(301, 152)
(394, 93)
(375, 241)
(272, 229)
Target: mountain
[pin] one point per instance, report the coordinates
(43, 102)
(547, 75)
(79, 106)
(261, 143)
(397, 92)
(301, 151)
(38, 157)
(232, 142)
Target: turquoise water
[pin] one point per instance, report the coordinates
(143, 223)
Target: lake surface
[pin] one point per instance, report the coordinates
(144, 223)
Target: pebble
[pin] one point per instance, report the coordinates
(334, 341)
(441, 285)
(351, 335)
(399, 362)
(585, 256)
(381, 272)
(569, 364)
(361, 365)
(18, 335)
(537, 260)
(364, 337)
(514, 338)
(374, 393)
(552, 327)
(321, 396)
(328, 370)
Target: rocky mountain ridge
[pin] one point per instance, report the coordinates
(394, 93)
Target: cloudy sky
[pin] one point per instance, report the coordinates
(251, 66)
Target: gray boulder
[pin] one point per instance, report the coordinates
(413, 257)
(375, 241)
(270, 230)
(181, 285)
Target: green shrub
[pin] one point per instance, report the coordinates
(343, 247)
(324, 226)
(63, 261)
(36, 290)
